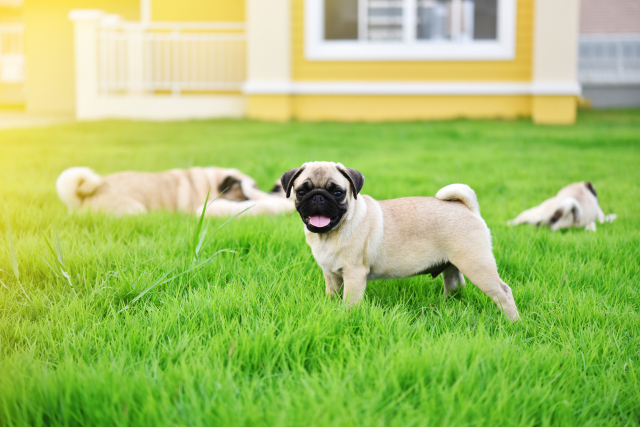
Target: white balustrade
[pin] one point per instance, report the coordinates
(12, 58)
(609, 59)
(170, 57)
(157, 70)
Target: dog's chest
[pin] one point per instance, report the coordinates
(329, 253)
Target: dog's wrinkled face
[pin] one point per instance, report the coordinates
(231, 189)
(323, 192)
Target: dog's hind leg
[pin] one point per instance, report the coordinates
(530, 216)
(129, 207)
(452, 278)
(480, 268)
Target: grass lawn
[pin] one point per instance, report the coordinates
(250, 338)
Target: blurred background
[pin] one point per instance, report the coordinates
(344, 60)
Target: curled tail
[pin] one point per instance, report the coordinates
(74, 184)
(462, 193)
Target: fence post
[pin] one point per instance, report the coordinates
(135, 60)
(85, 23)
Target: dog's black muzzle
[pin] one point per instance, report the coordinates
(320, 202)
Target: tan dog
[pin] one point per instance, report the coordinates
(355, 238)
(258, 203)
(575, 205)
(125, 193)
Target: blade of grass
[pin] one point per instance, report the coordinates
(202, 236)
(230, 219)
(195, 246)
(49, 265)
(162, 279)
(59, 257)
(227, 222)
(12, 249)
(59, 254)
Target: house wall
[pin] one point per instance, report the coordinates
(516, 70)
(610, 17)
(50, 87)
(198, 10)
(535, 83)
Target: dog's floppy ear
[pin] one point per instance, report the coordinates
(356, 179)
(227, 183)
(288, 177)
(591, 188)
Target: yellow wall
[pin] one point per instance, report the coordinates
(554, 110)
(197, 10)
(387, 107)
(50, 84)
(398, 107)
(10, 14)
(515, 70)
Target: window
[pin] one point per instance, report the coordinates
(352, 30)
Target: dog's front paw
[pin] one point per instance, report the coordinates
(610, 217)
(591, 227)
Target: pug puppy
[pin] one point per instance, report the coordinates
(130, 192)
(575, 205)
(355, 238)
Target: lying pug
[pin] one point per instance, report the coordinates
(126, 193)
(258, 203)
(355, 238)
(575, 205)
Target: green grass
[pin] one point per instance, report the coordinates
(250, 338)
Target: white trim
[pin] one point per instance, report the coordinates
(181, 26)
(86, 14)
(318, 49)
(411, 88)
(556, 88)
(162, 107)
(145, 12)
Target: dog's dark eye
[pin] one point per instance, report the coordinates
(338, 193)
(301, 193)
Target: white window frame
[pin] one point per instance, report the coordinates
(409, 48)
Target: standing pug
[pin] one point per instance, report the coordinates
(355, 238)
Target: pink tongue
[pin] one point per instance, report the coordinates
(319, 221)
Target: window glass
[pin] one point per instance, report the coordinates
(341, 19)
(434, 20)
(485, 20)
(447, 20)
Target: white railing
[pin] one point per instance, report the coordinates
(609, 59)
(12, 58)
(170, 57)
(157, 70)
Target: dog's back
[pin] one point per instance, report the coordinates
(132, 192)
